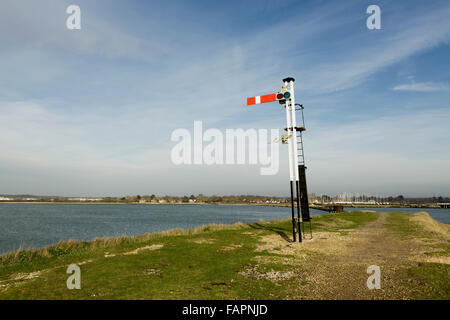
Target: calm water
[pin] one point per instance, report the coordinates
(40, 225)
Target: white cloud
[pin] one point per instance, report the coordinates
(35, 134)
(368, 53)
(400, 153)
(41, 25)
(47, 151)
(423, 87)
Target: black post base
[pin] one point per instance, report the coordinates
(293, 211)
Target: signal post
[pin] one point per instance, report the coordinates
(297, 176)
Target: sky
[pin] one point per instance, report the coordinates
(90, 112)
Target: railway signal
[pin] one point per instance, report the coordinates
(297, 174)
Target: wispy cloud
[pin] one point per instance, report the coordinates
(423, 87)
(382, 154)
(99, 105)
(368, 53)
(25, 26)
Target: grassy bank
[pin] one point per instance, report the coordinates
(243, 261)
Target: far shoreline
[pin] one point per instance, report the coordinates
(216, 204)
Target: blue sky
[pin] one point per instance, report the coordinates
(91, 111)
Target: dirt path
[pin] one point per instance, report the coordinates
(335, 266)
(346, 277)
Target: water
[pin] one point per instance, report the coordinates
(40, 225)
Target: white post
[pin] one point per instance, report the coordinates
(294, 132)
(291, 173)
(295, 146)
(288, 125)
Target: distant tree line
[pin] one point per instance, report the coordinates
(229, 199)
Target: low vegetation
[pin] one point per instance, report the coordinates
(244, 261)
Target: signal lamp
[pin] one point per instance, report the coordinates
(280, 96)
(287, 95)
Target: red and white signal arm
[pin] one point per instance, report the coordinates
(262, 99)
(268, 98)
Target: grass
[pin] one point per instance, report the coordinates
(440, 250)
(341, 222)
(430, 276)
(401, 225)
(209, 262)
(153, 274)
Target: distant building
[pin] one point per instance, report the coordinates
(77, 199)
(85, 199)
(5, 199)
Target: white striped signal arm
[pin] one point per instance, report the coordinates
(262, 99)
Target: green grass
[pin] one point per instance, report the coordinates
(403, 225)
(400, 224)
(339, 222)
(440, 250)
(430, 276)
(201, 263)
(433, 278)
(180, 269)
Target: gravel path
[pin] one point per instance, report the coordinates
(334, 266)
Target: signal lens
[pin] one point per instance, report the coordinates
(280, 96)
(287, 95)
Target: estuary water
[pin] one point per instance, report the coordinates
(40, 225)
